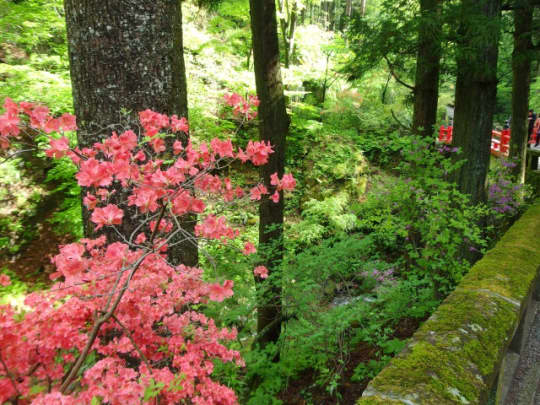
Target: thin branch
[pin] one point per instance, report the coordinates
(189, 238)
(104, 318)
(396, 77)
(10, 376)
(113, 290)
(130, 337)
(97, 326)
(33, 369)
(143, 223)
(158, 223)
(399, 122)
(15, 154)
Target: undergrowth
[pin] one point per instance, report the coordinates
(376, 233)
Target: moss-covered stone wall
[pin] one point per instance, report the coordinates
(455, 356)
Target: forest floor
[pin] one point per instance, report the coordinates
(32, 263)
(305, 389)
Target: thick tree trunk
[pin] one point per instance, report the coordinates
(476, 88)
(521, 73)
(126, 56)
(273, 127)
(427, 68)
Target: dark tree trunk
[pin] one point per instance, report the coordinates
(476, 88)
(273, 127)
(126, 56)
(426, 91)
(521, 72)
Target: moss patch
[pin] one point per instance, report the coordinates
(508, 271)
(380, 401)
(455, 356)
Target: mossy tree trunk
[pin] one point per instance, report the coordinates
(426, 89)
(125, 57)
(521, 75)
(273, 127)
(476, 89)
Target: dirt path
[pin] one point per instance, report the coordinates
(32, 263)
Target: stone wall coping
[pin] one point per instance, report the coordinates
(454, 357)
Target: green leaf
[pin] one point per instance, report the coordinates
(393, 346)
(153, 390)
(95, 401)
(36, 389)
(175, 385)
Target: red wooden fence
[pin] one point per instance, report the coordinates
(500, 140)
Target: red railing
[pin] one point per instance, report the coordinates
(445, 134)
(500, 140)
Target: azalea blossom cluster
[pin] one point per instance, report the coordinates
(123, 304)
(178, 344)
(39, 118)
(241, 106)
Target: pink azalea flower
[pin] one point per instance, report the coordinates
(58, 148)
(4, 280)
(219, 293)
(261, 272)
(109, 215)
(249, 248)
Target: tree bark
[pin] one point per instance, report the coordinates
(521, 75)
(363, 8)
(126, 56)
(331, 10)
(292, 31)
(283, 27)
(287, 22)
(426, 92)
(273, 127)
(476, 88)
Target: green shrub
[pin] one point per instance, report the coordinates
(422, 220)
(67, 218)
